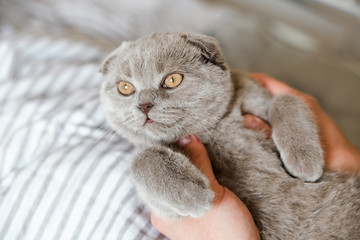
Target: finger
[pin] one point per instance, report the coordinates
(274, 86)
(258, 124)
(196, 151)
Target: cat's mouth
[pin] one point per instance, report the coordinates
(148, 120)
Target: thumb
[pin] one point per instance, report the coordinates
(274, 86)
(258, 124)
(196, 151)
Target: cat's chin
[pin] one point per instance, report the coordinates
(154, 129)
(157, 132)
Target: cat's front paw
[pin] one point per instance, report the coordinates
(305, 164)
(170, 184)
(296, 136)
(194, 198)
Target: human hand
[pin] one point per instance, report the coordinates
(339, 153)
(228, 219)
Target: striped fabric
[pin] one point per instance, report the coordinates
(64, 174)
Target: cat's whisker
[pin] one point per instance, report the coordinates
(103, 126)
(112, 135)
(104, 135)
(128, 118)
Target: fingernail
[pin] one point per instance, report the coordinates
(186, 140)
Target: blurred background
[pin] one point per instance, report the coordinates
(313, 45)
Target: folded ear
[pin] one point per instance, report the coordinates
(209, 47)
(107, 62)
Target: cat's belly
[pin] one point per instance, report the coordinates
(246, 160)
(282, 206)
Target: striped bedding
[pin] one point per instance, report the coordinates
(64, 174)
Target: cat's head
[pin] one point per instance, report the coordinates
(165, 86)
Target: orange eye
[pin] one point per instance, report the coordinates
(173, 80)
(126, 88)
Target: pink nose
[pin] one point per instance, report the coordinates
(145, 107)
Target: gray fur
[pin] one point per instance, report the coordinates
(281, 182)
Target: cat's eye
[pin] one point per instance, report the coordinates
(173, 80)
(126, 88)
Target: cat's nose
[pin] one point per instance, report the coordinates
(145, 107)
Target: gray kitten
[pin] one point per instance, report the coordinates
(167, 85)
